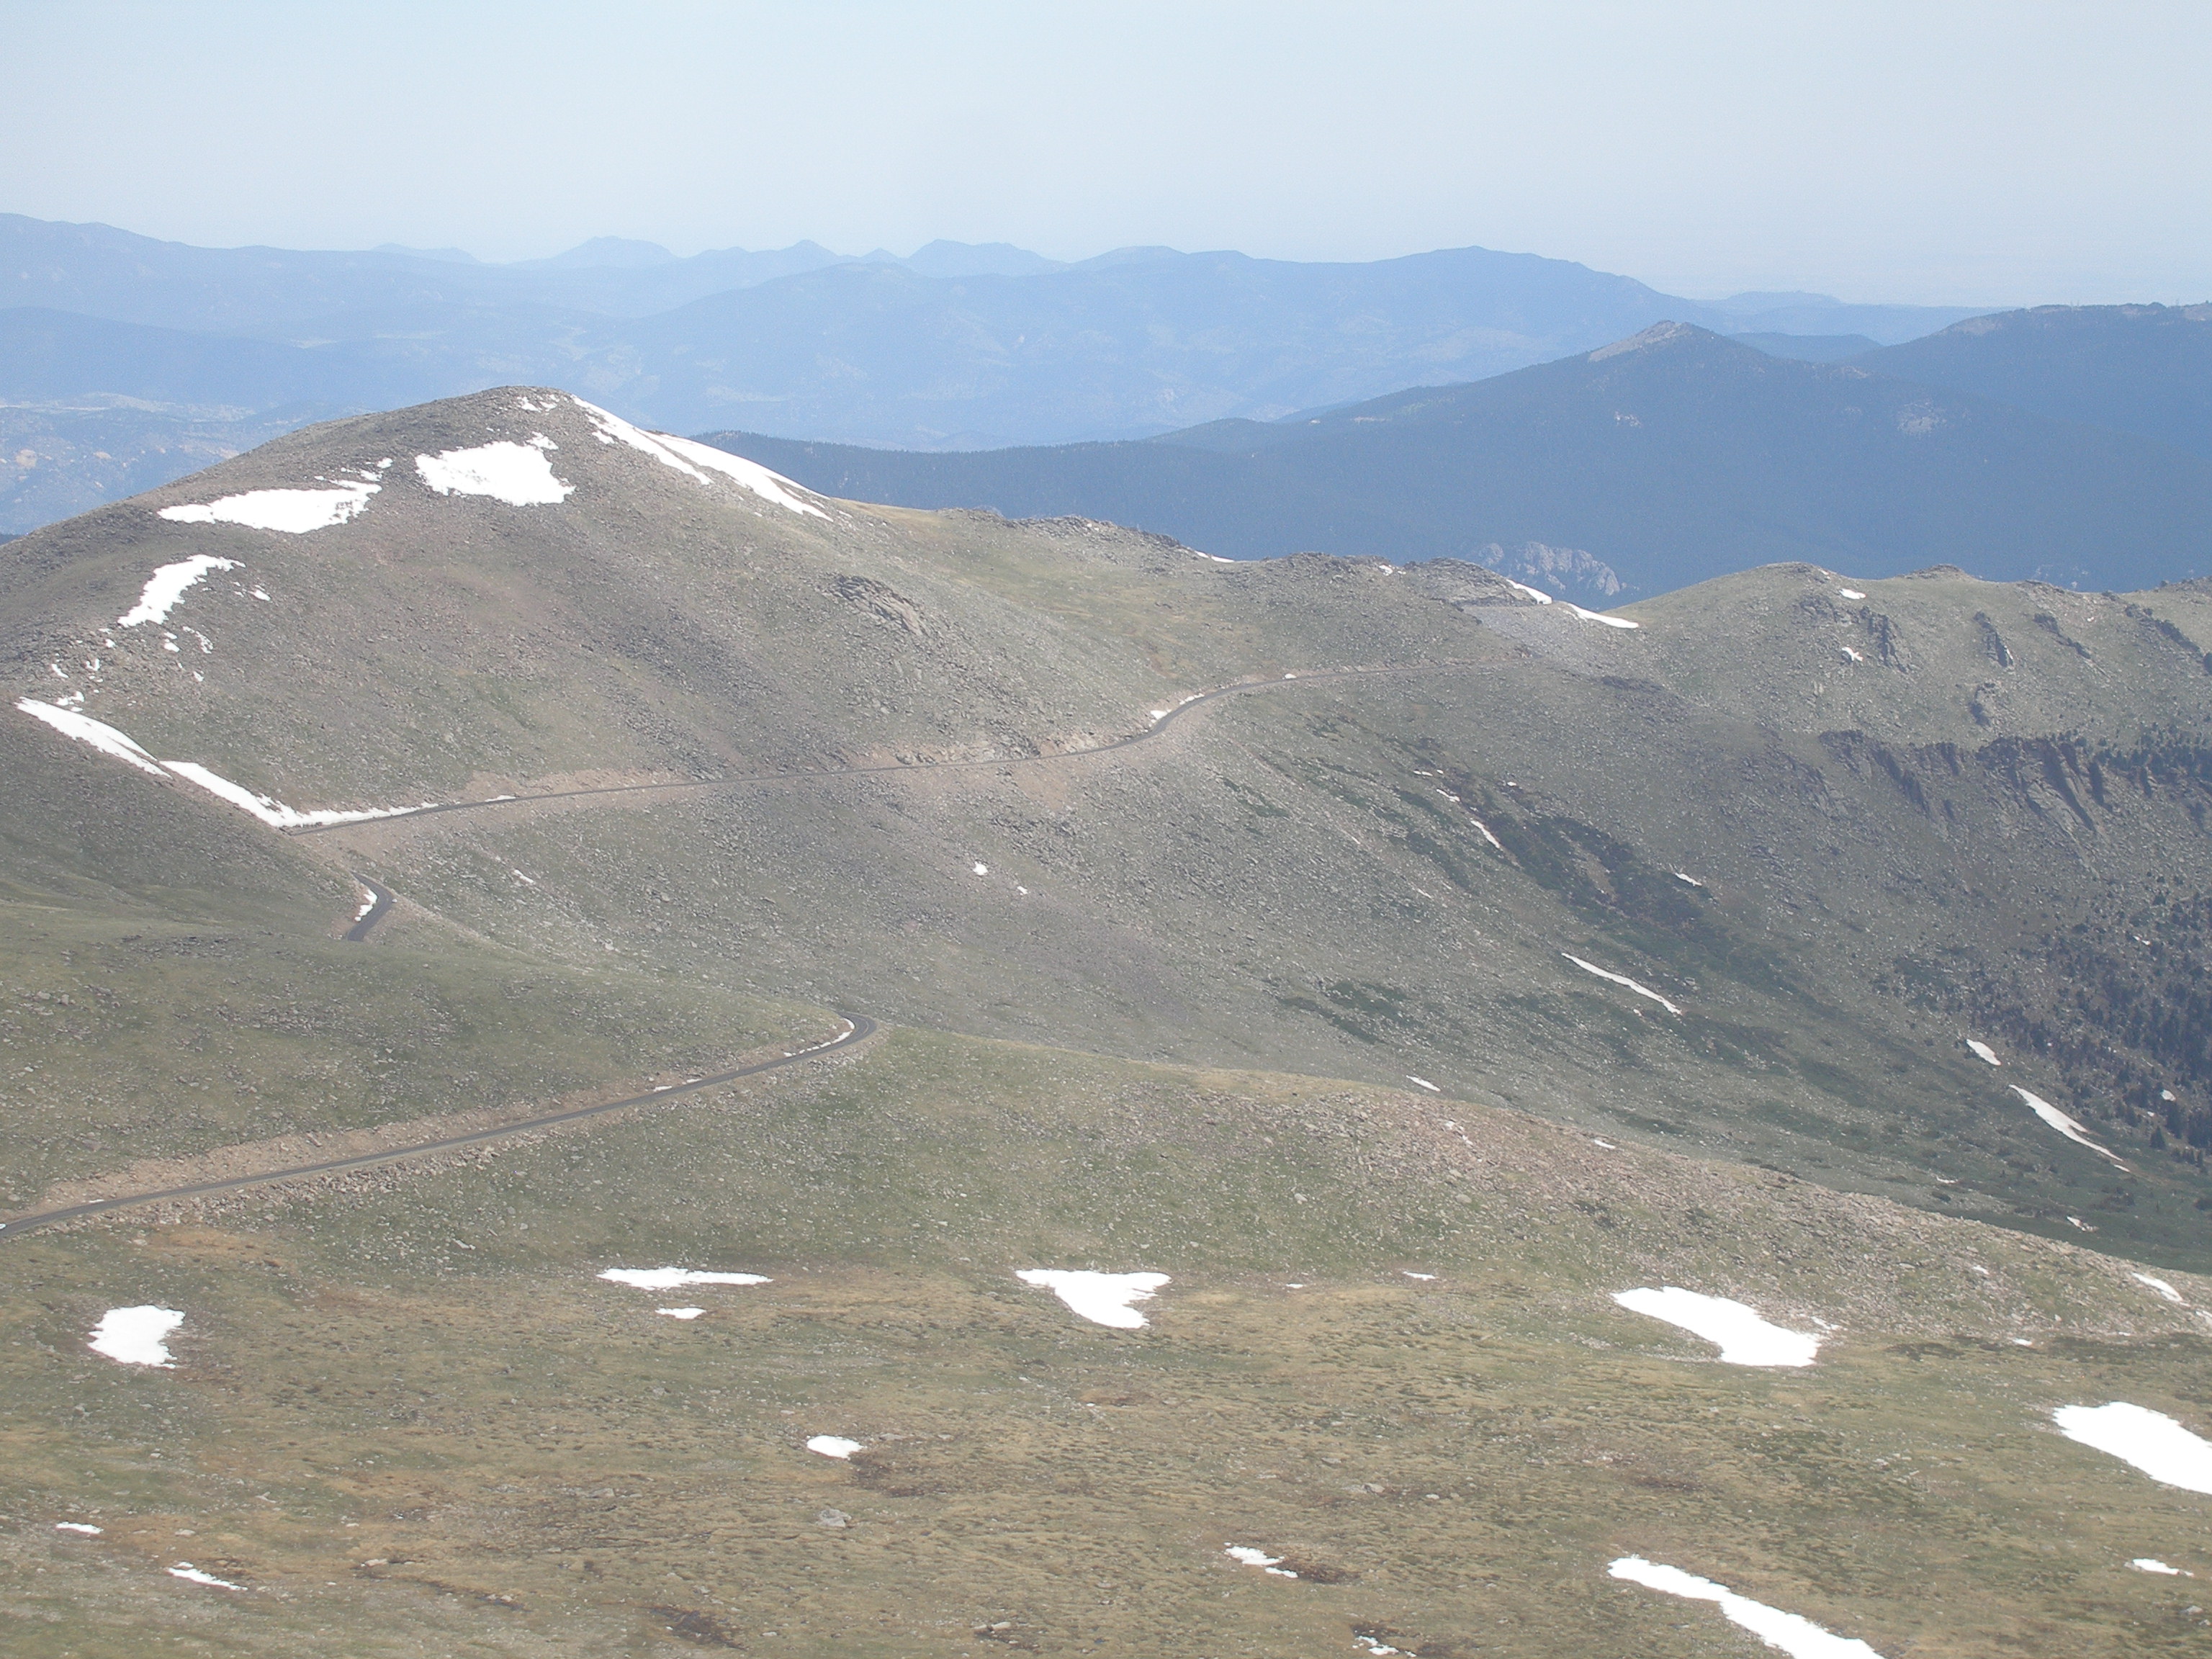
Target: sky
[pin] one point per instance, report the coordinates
(1964, 152)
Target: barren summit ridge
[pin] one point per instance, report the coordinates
(1346, 1161)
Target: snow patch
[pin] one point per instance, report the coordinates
(981, 869)
(2159, 1285)
(687, 456)
(136, 1336)
(186, 1570)
(1621, 979)
(1542, 597)
(833, 1445)
(1682, 876)
(1743, 1337)
(1410, 1274)
(1851, 655)
(290, 512)
(273, 813)
(1423, 1083)
(1798, 1637)
(1252, 1557)
(1483, 829)
(1102, 1298)
(2141, 1563)
(83, 727)
(681, 1313)
(167, 585)
(84, 1527)
(1850, 593)
(518, 474)
(2065, 1125)
(668, 1279)
(2150, 1441)
(1981, 1050)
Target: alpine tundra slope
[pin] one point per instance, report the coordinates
(1470, 1145)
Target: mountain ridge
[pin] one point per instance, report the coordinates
(958, 345)
(1397, 1055)
(1668, 457)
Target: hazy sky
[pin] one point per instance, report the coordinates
(1972, 152)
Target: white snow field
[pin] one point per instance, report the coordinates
(687, 456)
(84, 1527)
(1798, 1637)
(1743, 1337)
(2159, 1285)
(1102, 1298)
(669, 1279)
(2065, 1124)
(1983, 1051)
(290, 512)
(517, 474)
(1621, 979)
(832, 1445)
(2152, 1564)
(2150, 1441)
(136, 1336)
(84, 729)
(167, 585)
(680, 1313)
(1252, 1557)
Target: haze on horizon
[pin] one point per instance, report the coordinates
(1975, 155)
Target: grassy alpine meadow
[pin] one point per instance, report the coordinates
(410, 1417)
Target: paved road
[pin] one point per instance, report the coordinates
(379, 901)
(861, 1027)
(1301, 678)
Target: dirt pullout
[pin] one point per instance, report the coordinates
(252, 1158)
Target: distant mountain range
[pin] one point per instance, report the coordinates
(957, 346)
(1664, 459)
(2145, 370)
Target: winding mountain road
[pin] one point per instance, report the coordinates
(1304, 677)
(858, 1028)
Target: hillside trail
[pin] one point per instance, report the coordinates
(1167, 717)
(858, 1028)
